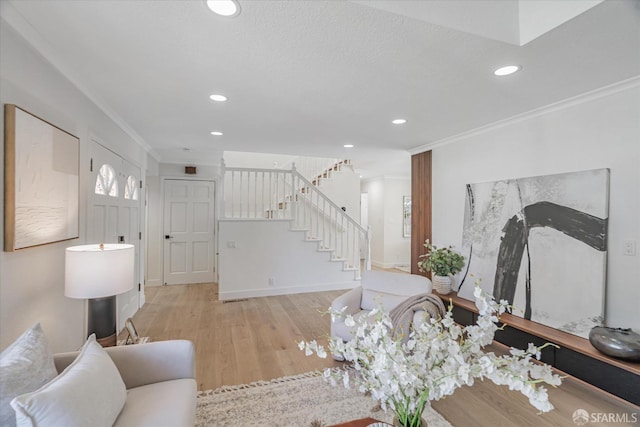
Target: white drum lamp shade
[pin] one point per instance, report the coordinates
(98, 271)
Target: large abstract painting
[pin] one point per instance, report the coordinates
(541, 244)
(41, 181)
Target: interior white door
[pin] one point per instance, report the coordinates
(189, 218)
(114, 215)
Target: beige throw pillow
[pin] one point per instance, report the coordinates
(89, 392)
(25, 366)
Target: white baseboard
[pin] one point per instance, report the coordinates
(252, 293)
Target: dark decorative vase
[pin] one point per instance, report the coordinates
(616, 342)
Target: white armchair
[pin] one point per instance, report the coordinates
(378, 287)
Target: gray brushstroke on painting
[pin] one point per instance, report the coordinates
(578, 225)
(566, 275)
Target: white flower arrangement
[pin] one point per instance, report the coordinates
(439, 357)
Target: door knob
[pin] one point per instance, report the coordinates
(167, 236)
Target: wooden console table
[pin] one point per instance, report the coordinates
(576, 356)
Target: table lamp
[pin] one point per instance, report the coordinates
(98, 273)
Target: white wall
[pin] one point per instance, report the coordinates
(397, 249)
(375, 196)
(32, 280)
(237, 159)
(599, 130)
(343, 188)
(172, 170)
(385, 195)
(154, 241)
(252, 252)
(153, 232)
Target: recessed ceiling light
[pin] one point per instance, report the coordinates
(218, 98)
(348, 145)
(216, 133)
(228, 8)
(399, 121)
(505, 71)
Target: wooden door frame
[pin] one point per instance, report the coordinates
(421, 202)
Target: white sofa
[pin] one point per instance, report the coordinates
(160, 381)
(377, 287)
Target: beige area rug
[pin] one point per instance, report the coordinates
(295, 401)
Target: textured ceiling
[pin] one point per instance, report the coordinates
(514, 21)
(306, 77)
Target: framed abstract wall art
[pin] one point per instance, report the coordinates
(541, 244)
(41, 181)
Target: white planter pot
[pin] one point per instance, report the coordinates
(441, 284)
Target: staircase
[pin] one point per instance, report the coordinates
(287, 195)
(327, 172)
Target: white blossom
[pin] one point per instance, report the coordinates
(349, 321)
(438, 357)
(321, 352)
(533, 350)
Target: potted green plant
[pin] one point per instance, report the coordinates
(444, 263)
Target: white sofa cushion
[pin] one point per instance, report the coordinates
(89, 392)
(167, 403)
(396, 283)
(390, 289)
(25, 366)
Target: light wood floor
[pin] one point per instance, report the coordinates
(255, 339)
(241, 341)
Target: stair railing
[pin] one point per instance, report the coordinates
(328, 223)
(277, 194)
(316, 168)
(256, 193)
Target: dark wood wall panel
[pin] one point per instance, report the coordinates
(420, 206)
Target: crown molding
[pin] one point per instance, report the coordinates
(25, 30)
(557, 106)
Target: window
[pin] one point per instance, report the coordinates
(107, 182)
(131, 189)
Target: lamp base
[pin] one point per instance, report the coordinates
(102, 320)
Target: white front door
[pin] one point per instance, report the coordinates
(114, 215)
(189, 231)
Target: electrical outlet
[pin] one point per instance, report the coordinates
(272, 281)
(629, 247)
